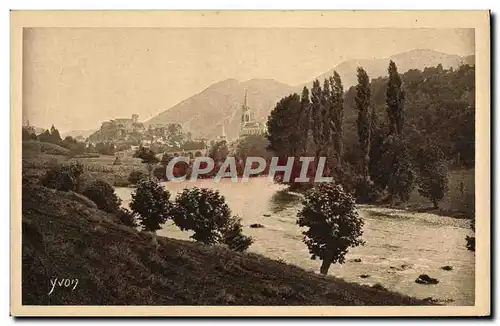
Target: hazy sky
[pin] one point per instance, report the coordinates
(76, 78)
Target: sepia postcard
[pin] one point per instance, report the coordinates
(250, 163)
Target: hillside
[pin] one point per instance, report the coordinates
(65, 236)
(377, 67)
(204, 113)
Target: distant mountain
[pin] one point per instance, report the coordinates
(76, 133)
(203, 114)
(377, 67)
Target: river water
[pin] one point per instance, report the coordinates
(400, 245)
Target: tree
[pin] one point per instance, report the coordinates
(126, 217)
(253, 145)
(282, 126)
(28, 133)
(64, 177)
(219, 151)
(55, 137)
(103, 194)
(205, 212)
(135, 176)
(395, 100)
(304, 125)
(233, 237)
(150, 201)
(333, 223)
(147, 156)
(432, 173)
(402, 176)
(363, 95)
(338, 119)
(317, 117)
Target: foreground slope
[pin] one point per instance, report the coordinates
(66, 237)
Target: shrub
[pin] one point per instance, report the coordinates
(205, 212)
(127, 217)
(333, 223)
(471, 241)
(233, 237)
(160, 173)
(63, 177)
(151, 202)
(103, 194)
(135, 176)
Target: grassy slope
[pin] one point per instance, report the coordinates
(65, 236)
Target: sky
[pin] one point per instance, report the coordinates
(76, 78)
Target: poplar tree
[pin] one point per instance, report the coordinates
(362, 99)
(395, 100)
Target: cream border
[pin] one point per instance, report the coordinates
(262, 19)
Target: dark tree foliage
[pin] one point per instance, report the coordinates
(150, 201)
(63, 177)
(471, 241)
(402, 174)
(432, 173)
(283, 127)
(205, 212)
(333, 223)
(146, 155)
(337, 118)
(363, 95)
(28, 133)
(233, 236)
(395, 100)
(160, 173)
(126, 217)
(135, 176)
(219, 151)
(317, 117)
(438, 104)
(304, 123)
(103, 194)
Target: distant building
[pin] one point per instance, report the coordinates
(249, 126)
(222, 136)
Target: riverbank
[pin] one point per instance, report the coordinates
(65, 236)
(400, 244)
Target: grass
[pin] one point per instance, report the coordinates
(36, 163)
(66, 236)
(32, 147)
(456, 202)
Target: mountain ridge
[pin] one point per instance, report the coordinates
(204, 113)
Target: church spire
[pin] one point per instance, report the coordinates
(245, 103)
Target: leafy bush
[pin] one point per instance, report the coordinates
(63, 177)
(135, 176)
(127, 217)
(471, 241)
(103, 194)
(205, 212)
(160, 173)
(333, 223)
(233, 237)
(146, 155)
(151, 202)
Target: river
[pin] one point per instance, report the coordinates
(400, 245)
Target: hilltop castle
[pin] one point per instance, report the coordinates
(248, 124)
